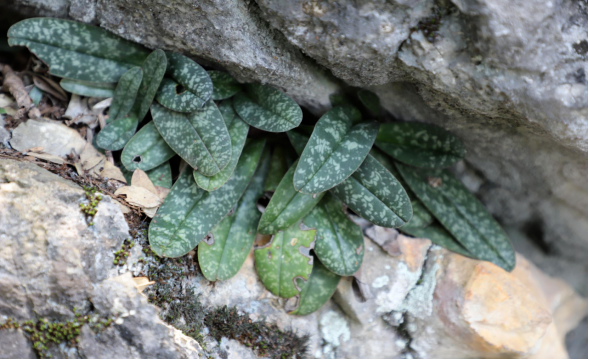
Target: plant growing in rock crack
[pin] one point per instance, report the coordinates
(391, 174)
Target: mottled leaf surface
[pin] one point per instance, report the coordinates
(161, 175)
(267, 109)
(439, 236)
(238, 130)
(77, 51)
(334, 151)
(189, 213)
(154, 68)
(278, 167)
(117, 133)
(190, 75)
(284, 264)
(317, 290)
(461, 214)
(173, 96)
(297, 140)
(125, 94)
(200, 138)
(376, 195)
(370, 100)
(224, 85)
(421, 216)
(339, 242)
(146, 149)
(232, 239)
(287, 206)
(89, 89)
(418, 144)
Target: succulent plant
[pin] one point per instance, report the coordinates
(306, 239)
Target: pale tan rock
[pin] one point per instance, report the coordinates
(55, 138)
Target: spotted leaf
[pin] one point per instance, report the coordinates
(146, 150)
(117, 133)
(317, 290)
(224, 85)
(421, 216)
(200, 138)
(278, 167)
(421, 145)
(461, 214)
(161, 175)
(287, 206)
(77, 51)
(190, 75)
(89, 89)
(175, 97)
(439, 236)
(154, 68)
(340, 242)
(189, 213)
(238, 130)
(221, 257)
(125, 94)
(267, 109)
(285, 263)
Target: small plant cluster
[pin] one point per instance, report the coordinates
(44, 333)
(93, 197)
(391, 174)
(122, 254)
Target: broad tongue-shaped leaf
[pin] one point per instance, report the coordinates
(200, 138)
(125, 94)
(238, 130)
(461, 214)
(222, 255)
(154, 68)
(77, 51)
(278, 167)
(421, 216)
(189, 213)
(287, 206)
(161, 175)
(190, 75)
(175, 97)
(340, 242)
(224, 85)
(285, 263)
(89, 89)
(117, 133)
(146, 149)
(317, 290)
(267, 109)
(418, 144)
(334, 151)
(439, 236)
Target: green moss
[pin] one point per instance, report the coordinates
(122, 254)
(89, 208)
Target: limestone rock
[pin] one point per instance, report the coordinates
(54, 137)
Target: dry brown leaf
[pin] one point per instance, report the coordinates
(49, 86)
(139, 196)
(150, 212)
(162, 192)
(101, 105)
(142, 282)
(112, 172)
(14, 85)
(37, 149)
(5, 100)
(79, 111)
(52, 158)
(141, 179)
(90, 157)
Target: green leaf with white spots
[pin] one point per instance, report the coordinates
(238, 130)
(461, 214)
(117, 133)
(161, 175)
(189, 74)
(317, 290)
(189, 213)
(90, 89)
(146, 150)
(222, 255)
(278, 167)
(298, 140)
(370, 100)
(125, 94)
(334, 151)
(371, 192)
(267, 109)
(421, 145)
(227, 111)
(154, 68)
(175, 97)
(376, 195)
(439, 236)
(224, 85)
(340, 242)
(287, 206)
(284, 264)
(200, 138)
(77, 51)
(421, 216)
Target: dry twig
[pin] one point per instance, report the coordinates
(13, 84)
